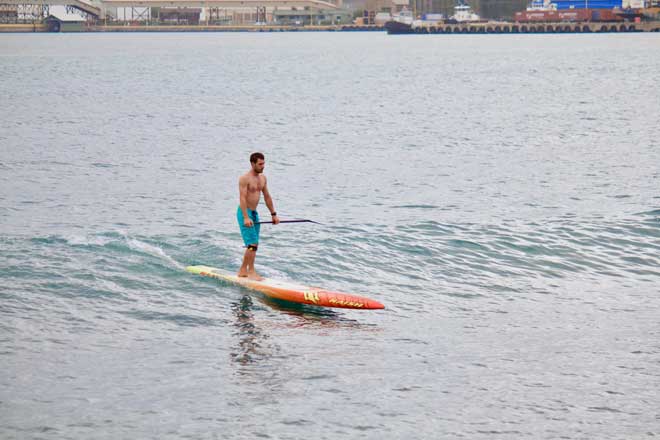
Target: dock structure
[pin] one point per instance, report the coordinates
(314, 4)
(84, 7)
(98, 9)
(178, 16)
(536, 28)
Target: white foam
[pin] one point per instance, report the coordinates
(153, 250)
(87, 240)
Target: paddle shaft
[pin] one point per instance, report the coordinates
(290, 221)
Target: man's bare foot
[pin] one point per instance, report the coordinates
(254, 276)
(242, 273)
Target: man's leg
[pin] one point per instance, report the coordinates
(251, 256)
(243, 271)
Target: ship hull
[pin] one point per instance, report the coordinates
(398, 28)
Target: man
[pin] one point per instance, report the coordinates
(250, 187)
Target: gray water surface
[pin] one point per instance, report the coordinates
(499, 194)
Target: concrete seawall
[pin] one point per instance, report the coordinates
(476, 28)
(537, 28)
(23, 28)
(229, 28)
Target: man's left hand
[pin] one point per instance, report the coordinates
(276, 220)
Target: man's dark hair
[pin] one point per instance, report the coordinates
(254, 157)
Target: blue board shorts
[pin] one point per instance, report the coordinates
(250, 235)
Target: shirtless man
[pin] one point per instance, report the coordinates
(250, 187)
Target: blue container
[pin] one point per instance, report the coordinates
(587, 4)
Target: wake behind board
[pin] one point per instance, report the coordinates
(290, 291)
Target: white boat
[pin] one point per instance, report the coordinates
(404, 16)
(401, 23)
(405, 23)
(463, 13)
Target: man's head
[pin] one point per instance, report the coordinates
(258, 162)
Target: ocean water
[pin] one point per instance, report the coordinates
(499, 194)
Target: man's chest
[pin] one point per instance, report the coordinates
(255, 185)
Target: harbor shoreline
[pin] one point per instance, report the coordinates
(466, 28)
(42, 27)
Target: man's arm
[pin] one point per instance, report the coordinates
(269, 202)
(242, 194)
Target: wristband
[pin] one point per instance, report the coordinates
(273, 214)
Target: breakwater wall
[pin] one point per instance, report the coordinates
(23, 28)
(536, 28)
(475, 28)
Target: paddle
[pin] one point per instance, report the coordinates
(291, 221)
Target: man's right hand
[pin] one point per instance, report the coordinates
(248, 223)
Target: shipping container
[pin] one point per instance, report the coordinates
(605, 15)
(587, 4)
(433, 17)
(574, 15)
(570, 15)
(536, 16)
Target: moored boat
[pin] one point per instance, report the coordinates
(402, 23)
(405, 23)
(463, 13)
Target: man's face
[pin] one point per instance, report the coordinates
(258, 166)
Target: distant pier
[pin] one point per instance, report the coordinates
(536, 28)
(460, 29)
(120, 28)
(231, 28)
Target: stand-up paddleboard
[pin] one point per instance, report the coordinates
(290, 291)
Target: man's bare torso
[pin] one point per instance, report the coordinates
(255, 185)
